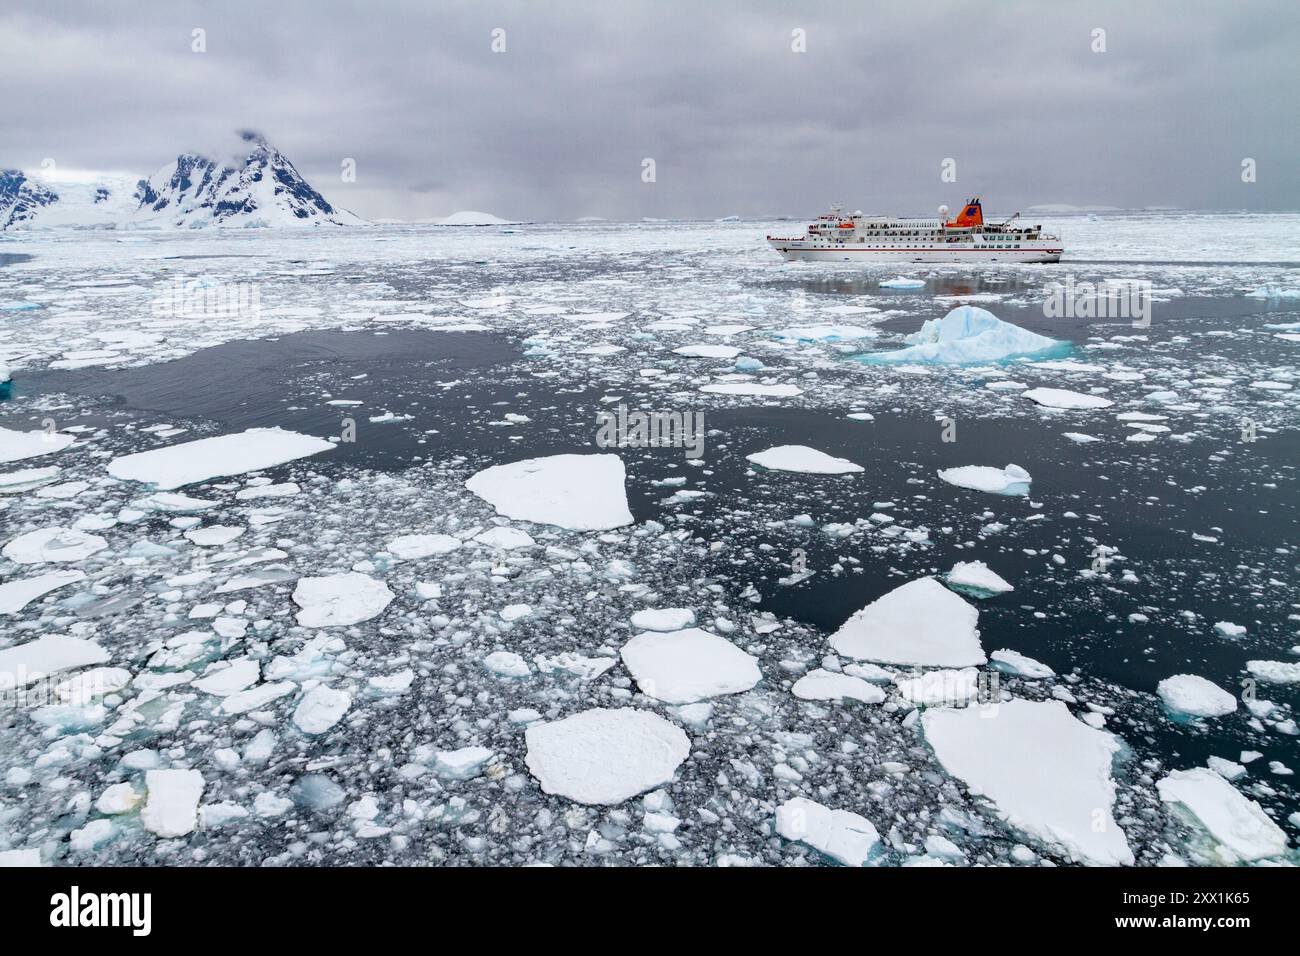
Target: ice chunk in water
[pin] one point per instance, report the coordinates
(920, 623)
(579, 492)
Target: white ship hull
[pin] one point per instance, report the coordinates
(804, 251)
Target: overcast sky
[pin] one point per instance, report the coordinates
(558, 125)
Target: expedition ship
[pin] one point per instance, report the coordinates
(967, 238)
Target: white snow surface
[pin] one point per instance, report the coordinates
(828, 685)
(1064, 398)
(843, 836)
(578, 492)
(682, 667)
(663, 619)
(53, 545)
(22, 664)
(177, 465)
(978, 578)
(1011, 480)
(19, 446)
(1194, 696)
(1238, 823)
(604, 756)
(801, 458)
(339, 599)
(17, 594)
(920, 623)
(171, 809)
(1047, 773)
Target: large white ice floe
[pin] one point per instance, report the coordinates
(1011, 480)
(335, 599)
(920, 623)
(578, 492)
(52, 545)
(968, 334)
(801, 458)
(1275, 672)
(605, 756)
(16, 595)
(19, 446)
(828, 685)
(843, 836)
(1047, 774)
(1194, 696)
(1013, 662)
(1064, 398)
(663, 619)
(977, 579)
(172, 807)
(321, 708)
(177, 465)
(1239, 825)
(25, 663)
(902, 282)
(681, 667)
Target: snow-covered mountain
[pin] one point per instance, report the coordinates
(264, 189)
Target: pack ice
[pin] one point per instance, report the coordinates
(965, 335)
(801, 458)
(177, 465)
(18, 446)
(578, 492)
(843, 836)
(920, 623)
(603, 756)
(1048, 774)
(682, 667)
(1011, 480)
(338, 599)
(1241, 827)
(1194, 696)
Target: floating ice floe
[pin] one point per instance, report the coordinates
(966, 335)
(1275, 672)
(25, 663)
(506, 664)
(752, 388)
(1194, 696)
(801, 458)
(1013, 662)
(824, 333)
(682, 667)
(18, 446)
(225, 681)
(578, 492)
(920, 623)
(1080, 437)
(845, 837)
(505, 539)
(1064, 398)
(1241, 827)
(177, 465)
(663, 619)
(902, 282)
(338, 599)
(605, 756)
(1011, 480)
(976, 579)
(16, 595)
(27, 479)
(940, 688)
(827, 685)
(1048, 774)
(1229, 630)
(412, 547)
(214, 536)
(321, 708)
(708, 351)
(52, 545)
(172, 807)
(462, 764)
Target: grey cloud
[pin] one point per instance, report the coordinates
(557, 126)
